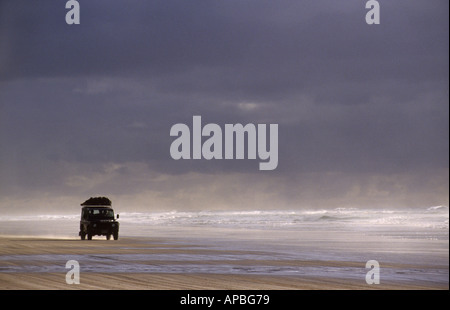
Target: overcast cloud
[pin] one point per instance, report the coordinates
(86, 110)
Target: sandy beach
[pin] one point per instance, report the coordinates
(39, 263)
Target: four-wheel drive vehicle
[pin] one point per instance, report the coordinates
(98, 220)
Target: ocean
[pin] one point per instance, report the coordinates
(410, 245)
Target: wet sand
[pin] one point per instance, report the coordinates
(29, 263)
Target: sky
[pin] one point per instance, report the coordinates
(86, 110)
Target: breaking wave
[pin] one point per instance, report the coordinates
(433, 219)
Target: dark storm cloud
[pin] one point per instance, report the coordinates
(257, 49)
(96, 100)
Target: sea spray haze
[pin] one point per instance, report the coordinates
(430, 223)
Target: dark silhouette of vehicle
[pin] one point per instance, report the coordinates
(97, 218)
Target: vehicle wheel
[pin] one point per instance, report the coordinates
(83, 235)
(108, 237)
(89, 237)
(116, 235)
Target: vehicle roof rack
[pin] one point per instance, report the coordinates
(97, 201)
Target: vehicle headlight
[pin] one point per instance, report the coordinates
(113, 225)
(95, 225)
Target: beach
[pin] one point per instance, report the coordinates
(39, 263)
(255, 250)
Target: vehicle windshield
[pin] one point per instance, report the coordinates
(100, 213)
